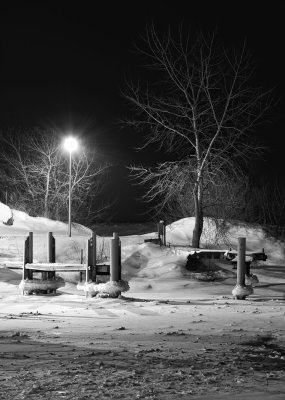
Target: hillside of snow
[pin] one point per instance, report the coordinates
(24, 223)
(12, 238)
(180, 232)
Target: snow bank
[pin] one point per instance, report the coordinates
(68, 249)
(180, 232)
(24, 223)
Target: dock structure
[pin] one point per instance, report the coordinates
(49, 282)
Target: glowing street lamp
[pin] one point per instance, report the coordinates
(70, 144)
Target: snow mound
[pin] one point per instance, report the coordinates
(151, 261)
(28, 286)
(180, 232)
(24, 223)
(108, 289)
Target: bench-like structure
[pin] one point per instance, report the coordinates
(49, 282)
(229, 255)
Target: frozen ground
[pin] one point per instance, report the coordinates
(169, 337)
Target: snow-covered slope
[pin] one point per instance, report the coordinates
(180, 232)
(12, 237)
(24, 223)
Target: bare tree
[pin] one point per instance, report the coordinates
(36, 174)
(201, 109)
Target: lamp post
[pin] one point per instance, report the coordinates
(70, 144)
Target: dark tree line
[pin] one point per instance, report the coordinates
(257, 201)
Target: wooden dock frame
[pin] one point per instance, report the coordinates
(49, 282)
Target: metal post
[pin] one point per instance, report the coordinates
(81, 262)
(120, 260)
(25, 258)
(241, 262)
(114, 258)
(91, 256)
(94, 255)
(50, 253)
(88, 264)
(161, 232)
(50, 248)
(88, 260)
(30, 251)
(69, 205)
(241, 290)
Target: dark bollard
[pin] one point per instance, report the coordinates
(161, 230)
(50, 255)
(240, 291)
(114, 258)
(30, 249)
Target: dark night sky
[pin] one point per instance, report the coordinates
(63, 66)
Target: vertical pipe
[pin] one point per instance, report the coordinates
(94, 254)
(30, 248)
(25, 260)
(30, 254)
(53, 248)
(241, 262)
(88, 263)
(25, 257)
(50, 255)
(88, 260)
(114, 258)
(240, 291)
(158, 232)
(69, 204)
(120, 260)
(49, 247)
(81, 262)
(161, 232)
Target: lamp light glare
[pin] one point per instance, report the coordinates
(70, 144)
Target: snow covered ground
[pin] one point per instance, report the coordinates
(169, 337)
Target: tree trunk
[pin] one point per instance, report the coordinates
(198, 203)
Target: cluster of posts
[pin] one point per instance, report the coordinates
(93, 269)
(48, 269)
